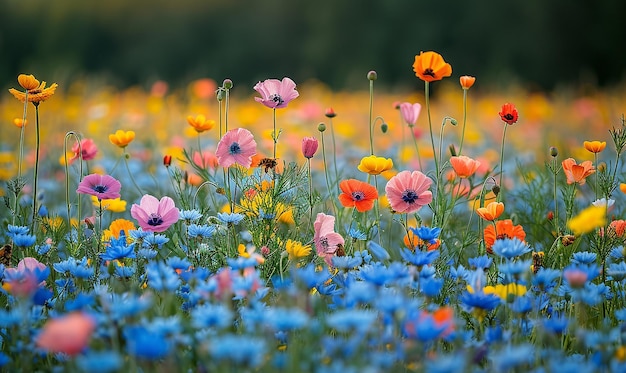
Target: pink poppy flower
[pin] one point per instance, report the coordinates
(410, 112)
(236, 146)
(276, 94)
(326, 240)
(68, 334)
(154, 215)
(87, 149)
(408, 191)
(100, 186)
(205, 160)
(309, 146)
(26, 278)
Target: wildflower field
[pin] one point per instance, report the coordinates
(283, 227)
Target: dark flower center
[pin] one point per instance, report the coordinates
(100, 188)
(509, 116)
(409, 196)
(155, 220)
(234, 148)
(357, 196)
(429, 72)
(277, 99)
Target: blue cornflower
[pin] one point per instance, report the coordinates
(419, 258)
(310, 277)
(100, 361)
(118, 249)
(230, 218)
(378, 274)
(515, 269)
(139, 234)
(446, 364)
(555, 324)
(431, 287)
(240, 349)
(154, 240)
(617, 271)
(147, 253)
(512, 356)
(24, 240)
(377, 251)
(584, 257)
(346, 262)
(126, 305)
(146, 344)
(81, 301)
(460, 273)
(178, 263)
(510, 248)
(285, 319)
(124, 271)
(617, 253)
(356, 234)
(43, 211)
(162, 277)
(81, 269)
(422, 326)
(43, 249)
(478, 299)
(620, 314)
(427, 234)
(211, 316)
(482, 261)
(201, 231)
(545, 278)
(367, 258)
(189, 216)
(521, 305)
(14, 230)
(352, 319)
(359, 292)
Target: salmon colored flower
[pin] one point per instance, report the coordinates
(430, 67)
(492, 211)
(35, 91)
(577, 173)
(86, 151)
(464, 166)
(618, 226)
(200, 123)
(357, 194)
(503, 229)
(276, 94)
(67, 334)
(595, 146)
(408, 191)
(122, 138)
(410, 112)
(19, 122)
(374, 165)
(330, 113)
(509, 113)
(236, 146)
(205, 160)
(467, 81)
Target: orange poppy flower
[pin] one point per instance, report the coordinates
(595, 146)
(200, 123)
(467, 81)
(464, 166)
(122, 138)
(36, 92)
(509, 113)
(430, 67)
(357, 194)
(503, 229)
(577, 173)
(492, 211)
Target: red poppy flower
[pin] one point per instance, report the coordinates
(509, 113)
(357, 194)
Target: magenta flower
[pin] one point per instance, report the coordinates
(87, 150)
(326, 240)
(236, 146)
(100, 186)
(408, 191)
(309, 146)
(276, 94)
(410, 112)
(154, 215)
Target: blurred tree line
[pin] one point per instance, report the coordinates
(537, 42)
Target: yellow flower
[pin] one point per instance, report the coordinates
(374, 165)
(595, 146)
(19, 122)
(116, 227)
(200, 123)
(504, 291)
(113, 205)
(587, 220)
(8, 165)
(297, 250)
(491, 212)
(122, 138)
(36, 92)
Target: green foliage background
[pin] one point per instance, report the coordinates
(541, 43)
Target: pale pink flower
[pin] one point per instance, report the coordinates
(205, 160)
(155, 215)
(236, 146)
(410, 112)
(408, 191)
(67, 334)
(26, 278)
(276, 94)
(100, 186)
(326, 240)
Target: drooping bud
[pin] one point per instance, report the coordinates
(452, 150)
(384, 127)
(372, 75)
(495, 190)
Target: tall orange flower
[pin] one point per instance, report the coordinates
(509, 113)
(200, 123)
(430, 67)
(357, 194)
(503, 229)
(467, 81)
(37, 92)
(491, 212)
(577, 173)
(595, 146)
(464, 166)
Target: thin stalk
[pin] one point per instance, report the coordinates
(36, 175)
(430, 126)
(308, 161)
(370, 116)
(332, 135)
(326, 173)
(464, 120)
(501, 193)
(274, 135)
(67, 175)
(126, 156)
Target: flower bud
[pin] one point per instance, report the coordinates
(321, 127)
(330, 113)
(467, 81)
(228, 84)
(220, 94)
(602, 167)
(452, 150)
(167, 160)
(384, 127)
(553, 151)
(495, 190)
(453, 121)
(309, 147)
(372, 75)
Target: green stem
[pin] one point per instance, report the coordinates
(370, 116)
(332, 135)
(331, 195)
(419, 157)
(595, 163)
(126, 155)
(310, 191)
(67, 175)
(430, 126)
(36, 175)
(557, 225)
(464, 120)
(274, 135)
(501, 193)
